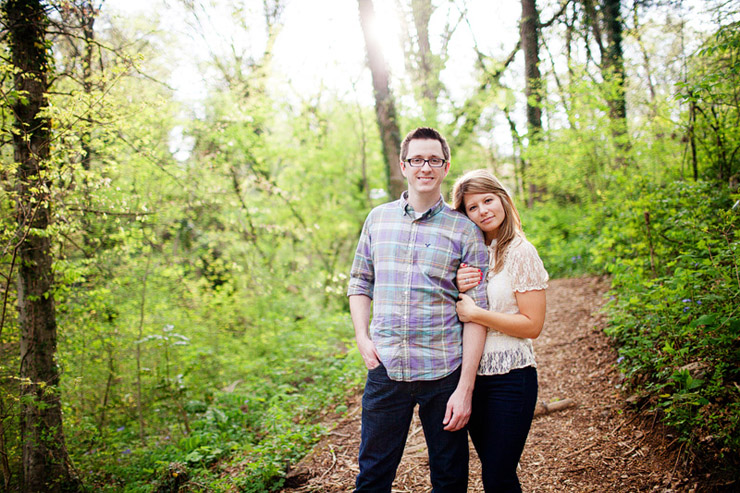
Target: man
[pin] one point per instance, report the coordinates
(416, 349)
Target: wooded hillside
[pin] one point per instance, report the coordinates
(182, 196)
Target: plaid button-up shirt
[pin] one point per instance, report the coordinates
(407, 265)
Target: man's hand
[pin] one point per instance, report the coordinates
(458, 410)
(359, 307)
(368, 352)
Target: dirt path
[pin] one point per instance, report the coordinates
(596, 446)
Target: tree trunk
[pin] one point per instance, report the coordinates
(612, 69)
(86, 16)
(645, 61)
(4, 462)
(614, 64)
(692, 137)
(427, 67)
(613, 59)
(530, 46)
(518, 160)
(142, 315)
(529, 35)
(46, 464)
(422, 12)
(385, 108)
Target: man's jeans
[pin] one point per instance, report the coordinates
(387, 409)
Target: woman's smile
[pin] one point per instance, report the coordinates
(486, 211)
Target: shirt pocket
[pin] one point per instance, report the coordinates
(436, 261)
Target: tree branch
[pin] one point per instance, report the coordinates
(549, 23)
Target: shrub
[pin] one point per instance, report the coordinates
(563, 236)
(673, 253)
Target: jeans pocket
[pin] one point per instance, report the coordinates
(378, 374)
(449, 383)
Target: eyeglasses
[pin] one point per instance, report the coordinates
(434, 162)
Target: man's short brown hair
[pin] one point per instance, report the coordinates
(424, 133)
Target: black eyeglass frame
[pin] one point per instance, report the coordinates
(425, 161)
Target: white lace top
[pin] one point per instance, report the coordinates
(523, 271)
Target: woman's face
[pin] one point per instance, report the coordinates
(486, 211)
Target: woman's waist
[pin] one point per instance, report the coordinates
(499, 340)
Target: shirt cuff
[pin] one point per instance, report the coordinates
(359, 286)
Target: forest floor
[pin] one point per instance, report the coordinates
(597, 445)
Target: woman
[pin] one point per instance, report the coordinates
(506, 387)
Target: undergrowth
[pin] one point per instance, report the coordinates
(242, 437)
(674, 303)
(563, 236)
(672, 252)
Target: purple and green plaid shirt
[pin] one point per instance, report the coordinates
(408, 267)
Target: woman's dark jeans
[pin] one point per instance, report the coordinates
(503, 407)
(387, 409)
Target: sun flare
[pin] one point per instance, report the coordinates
(385, 32)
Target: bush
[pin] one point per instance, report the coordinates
(563, 236)
(290, 373)
(672, 251)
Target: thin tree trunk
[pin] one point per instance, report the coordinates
(4, 462)
(363, 153)
(251, 235)
(613, 60)
(645, 60)
(422, 12)
(692, 138)
(519, 164)
(529, 29)
(467, 117)
(428, 73)
(46, 464)
(612, 68)
(142, 314)
(87, 14)
(385, 108)
(108, 387)
(562, 91)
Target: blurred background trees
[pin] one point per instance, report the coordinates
(204, 190)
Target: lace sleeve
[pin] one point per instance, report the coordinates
(527, 270)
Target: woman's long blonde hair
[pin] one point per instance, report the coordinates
(482, 181)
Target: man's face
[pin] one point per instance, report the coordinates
(424, 180)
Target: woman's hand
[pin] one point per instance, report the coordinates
(468, 277)
(465, 308)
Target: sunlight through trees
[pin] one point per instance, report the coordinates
(184, 184)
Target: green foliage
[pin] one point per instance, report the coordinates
(225, 292)
(287, 373)
(200, 301)
(563, 236)
(712, 90)
(200, 295)
(670, 247)
(673, 309)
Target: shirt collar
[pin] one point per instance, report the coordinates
(409, 210)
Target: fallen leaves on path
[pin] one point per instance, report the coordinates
(595, 445)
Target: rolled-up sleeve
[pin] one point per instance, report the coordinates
(475, 254)
(362, 275)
